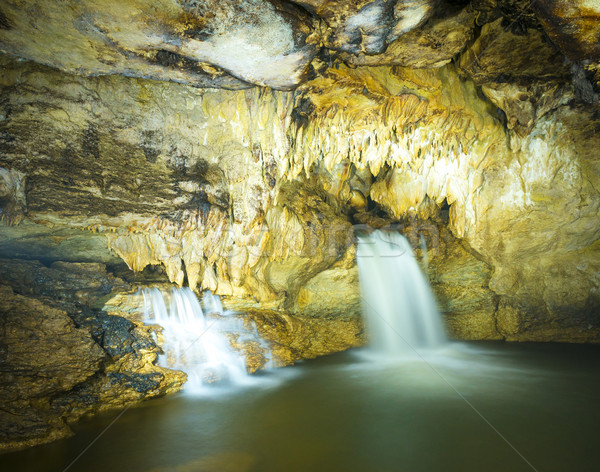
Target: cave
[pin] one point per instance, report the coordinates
(267, 235)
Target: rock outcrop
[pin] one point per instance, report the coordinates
(434, 43)
(74, 343)
(573, 25)
(12, 196)
(368, 26)
(290, 337)
(61, 357)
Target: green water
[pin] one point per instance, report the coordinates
(344, 414)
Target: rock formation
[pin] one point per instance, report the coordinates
(62, 357)
(236, 144)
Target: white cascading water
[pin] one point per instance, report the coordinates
(197, 341)
(398, 304)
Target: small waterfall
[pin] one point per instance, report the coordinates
(397, 301)
(199, 341)
(212, 303)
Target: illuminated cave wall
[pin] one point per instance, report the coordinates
(380, 118)
(252, 193)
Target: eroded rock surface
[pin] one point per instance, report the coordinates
(64, 356)
(12, 196)
(573, 25)
(432, 44)
(74, 343)
(525, 85)
(368, 26)
(290, 337)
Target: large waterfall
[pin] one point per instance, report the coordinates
(398, 304)
(198, 341)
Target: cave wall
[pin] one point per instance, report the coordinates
(251, 193)
(526, 202)
(75, 341)
(225, 44)
(202, 190)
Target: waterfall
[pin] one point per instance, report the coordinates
(212, 303)
(198, 341)
(398, 304)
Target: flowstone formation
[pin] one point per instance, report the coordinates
(252, 194)
(235, 145)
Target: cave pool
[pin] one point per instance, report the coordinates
(474, 407)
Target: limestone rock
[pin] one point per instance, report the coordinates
(72, 282)
(523, 74)
(461, 284)
(433, 44)
(239, 191)
(293, 338)
(573, 25)
(333, 292)
(465, 127)
(43, 354)
(226, 44)
(29, 240)
(369, 25)
(12, 196)
(509, 195)
(517, 15)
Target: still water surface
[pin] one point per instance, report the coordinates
(345, 413)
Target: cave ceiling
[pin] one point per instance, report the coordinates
(279, 44)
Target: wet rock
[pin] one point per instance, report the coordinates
(43, 354)
(460, 281)
(292, 337)
(331, 293)
(80, 283)
(29, 240)
(61, 358)
(256, 356)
